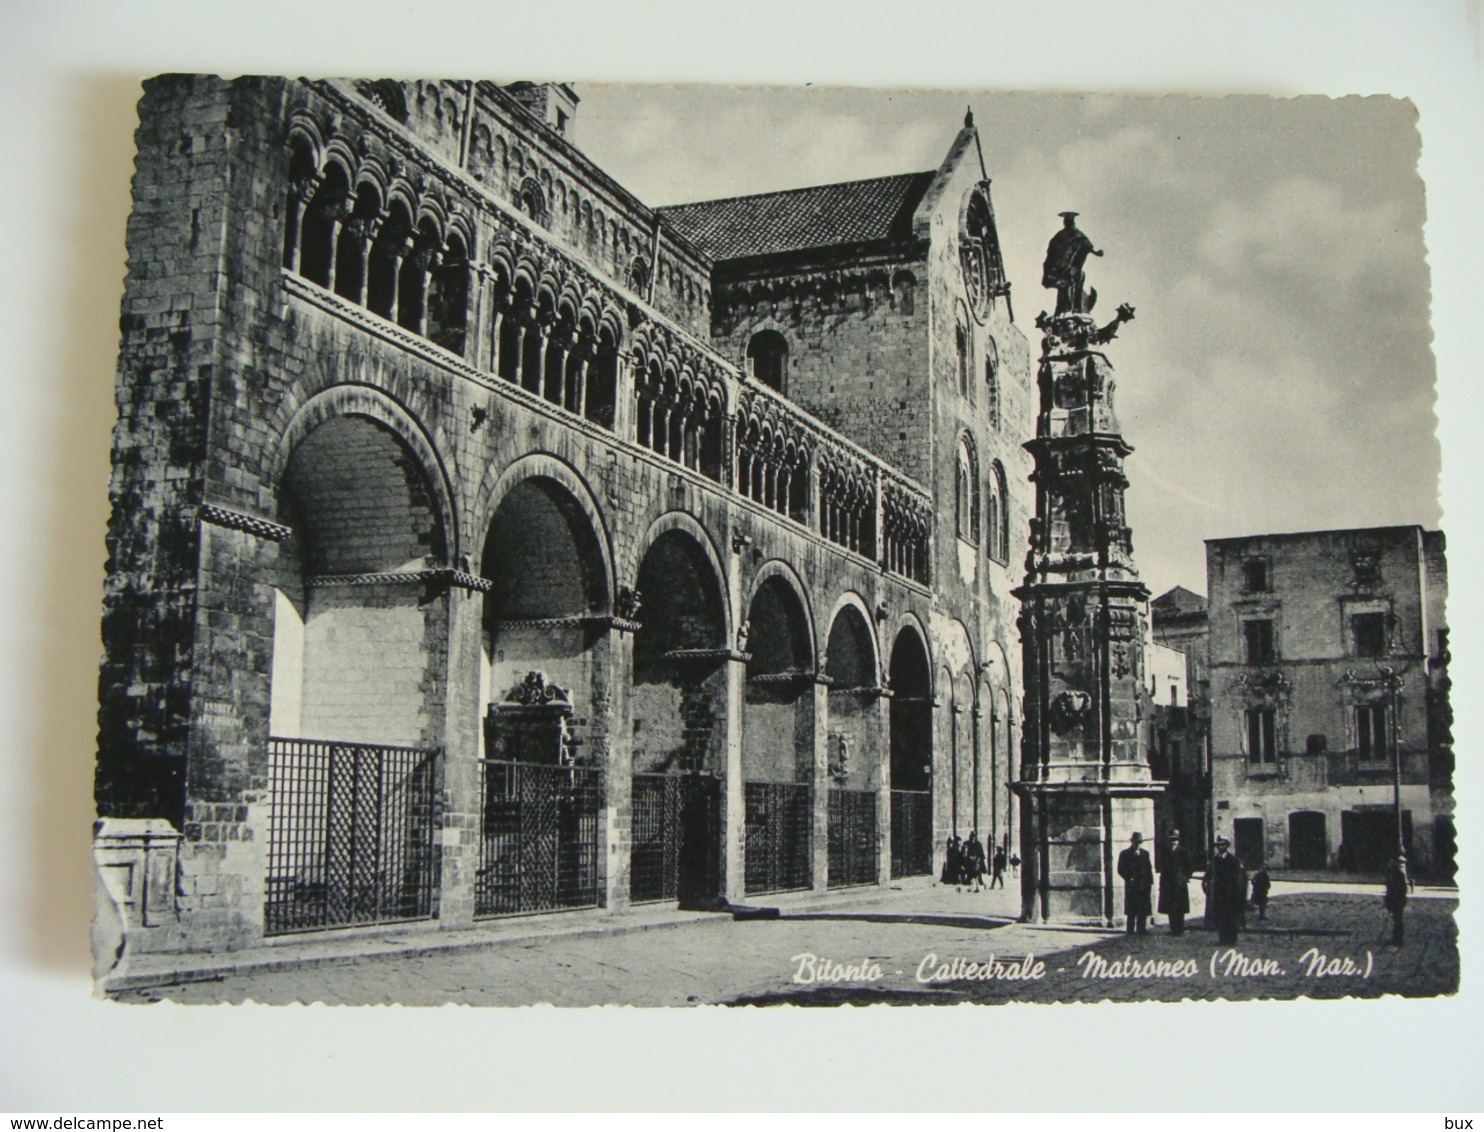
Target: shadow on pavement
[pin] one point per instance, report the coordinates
(930, 919)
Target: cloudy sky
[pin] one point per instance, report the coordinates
(1279, 374)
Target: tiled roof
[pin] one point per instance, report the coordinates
(800, 219)
(1179, 600)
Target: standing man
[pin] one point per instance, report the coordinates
(1395, 899)
(998, 877)
(1137, 872)
(1174, 884)
(1226, 892)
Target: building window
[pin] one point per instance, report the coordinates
(996, 516)
(966, 493)
(1262, 736)
(532, 201)
(1368, 633)
(1255, 576)
(387, 94)
(1370, 732)
(992, 381)
(1259, 635)
(767, 359)
(961, 344)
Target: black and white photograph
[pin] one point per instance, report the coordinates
(503, 569)
(723, 543)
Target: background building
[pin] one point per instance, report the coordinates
(1180, 715)
(486, 542)
(1329, 698)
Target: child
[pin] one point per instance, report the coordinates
(1261, 884)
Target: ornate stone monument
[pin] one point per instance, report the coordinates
(1085, 783)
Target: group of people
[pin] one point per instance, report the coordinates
(1225, 884)
(1227, 888)
(965, 862)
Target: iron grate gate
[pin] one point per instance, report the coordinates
(538, 844)
(676, 827)
(854, 854)
(911, 833)
(351, 836)
(780, 836)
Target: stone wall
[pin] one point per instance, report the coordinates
(231, 367)
(1310, 586)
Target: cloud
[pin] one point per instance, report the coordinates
(1305, 231)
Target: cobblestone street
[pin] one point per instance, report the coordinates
(1310, 929)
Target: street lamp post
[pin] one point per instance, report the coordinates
(1393, 680)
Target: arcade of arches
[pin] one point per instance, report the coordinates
(633, 744)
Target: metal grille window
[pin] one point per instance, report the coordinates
(676, 823)
(854, 858)
(780, 829)
(911, 833)
(538, 845)
(350, 839)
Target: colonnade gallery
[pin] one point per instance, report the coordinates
(488, 542)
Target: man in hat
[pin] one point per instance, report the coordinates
(1395, 899)
(1174, 882)
(1137, 872)
(1065, 255)
(1226, 891)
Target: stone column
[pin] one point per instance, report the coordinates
(613, 743)
(302, 194)
(883, 791)
(460, 772)
(734, 796)
(479, 338)
(821, 841)
(624, 396)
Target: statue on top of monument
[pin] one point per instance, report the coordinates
(1065, 255)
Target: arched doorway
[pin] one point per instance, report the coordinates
(542, 790)
(911, 727)
(677, 702)
(357, 699)
(855, 742)
(778, 742)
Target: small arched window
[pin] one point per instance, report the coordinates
(386, 94)
(531, 200)
(966, 493)
(992, 381)
(961, 346)
(767, 358)
(448, 296)
(997, 517)
(639, 275)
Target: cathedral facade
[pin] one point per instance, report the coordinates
(486, 542)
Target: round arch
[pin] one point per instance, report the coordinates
(911, 622)
(688, 524)
(496, 486)
(777, 568)
(368, 402)
(851, 599)
(852, 658)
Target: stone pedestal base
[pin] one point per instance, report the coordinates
(135, 862)
(1071, 836)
